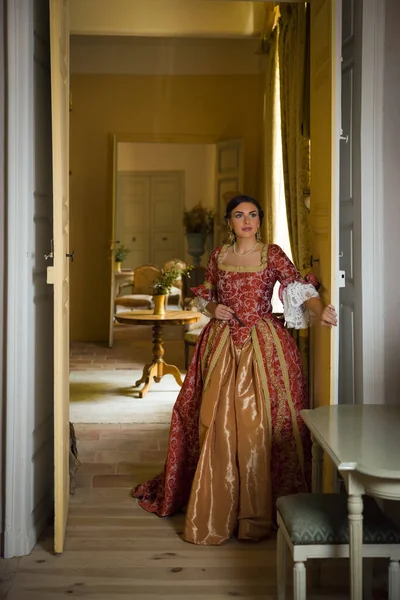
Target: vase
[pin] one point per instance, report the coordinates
(118, 266)
(196, 246)
(159, 305)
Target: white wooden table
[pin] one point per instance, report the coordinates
(364, 444)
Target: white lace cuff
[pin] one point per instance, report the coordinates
(297, 316)
(200, 304)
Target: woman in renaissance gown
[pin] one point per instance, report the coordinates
(237, 441)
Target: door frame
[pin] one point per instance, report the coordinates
(19, 538)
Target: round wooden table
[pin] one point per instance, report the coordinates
(157, 368)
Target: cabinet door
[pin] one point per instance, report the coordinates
(133, 217)
(167, 215)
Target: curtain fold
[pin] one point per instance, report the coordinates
(294, 66)
(294, 93)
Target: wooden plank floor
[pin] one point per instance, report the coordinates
(114, 550)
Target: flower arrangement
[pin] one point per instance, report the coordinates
(163, 286)
(198, 219)
(121, 252)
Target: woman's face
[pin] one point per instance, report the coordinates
(245, 220)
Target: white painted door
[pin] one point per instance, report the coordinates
(149, 217)
(228, 178)
(350, 342)
(133, 224)
(59, 273)
(167, 239)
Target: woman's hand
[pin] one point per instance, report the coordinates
(329, 316)
(220, 311)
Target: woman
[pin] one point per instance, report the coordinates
(237, 441)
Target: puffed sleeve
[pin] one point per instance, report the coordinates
(207, 291)
(294, 290)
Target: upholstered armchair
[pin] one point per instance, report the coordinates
(142, 291)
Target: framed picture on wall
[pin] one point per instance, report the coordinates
(227, 189)
(229, 158)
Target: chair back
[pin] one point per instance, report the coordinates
(180, 265)
(145, 278)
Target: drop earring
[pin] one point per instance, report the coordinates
(231, 236)
(258, 235)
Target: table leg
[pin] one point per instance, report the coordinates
(317, 464)
(316, 488)
(145, 375)
(172, 370)
(355, 508)
(158, 368)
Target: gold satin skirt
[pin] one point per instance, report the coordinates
(231, 490)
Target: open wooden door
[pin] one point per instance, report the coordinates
(325, 137)
(58, 274)
(228, 178)
(113, 242)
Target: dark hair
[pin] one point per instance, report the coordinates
(234, 202)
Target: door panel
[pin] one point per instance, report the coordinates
(166, 217)
(59, 273)
(324, 89)
(350, 192)
(133, 218)
(229, 178)
(42, 234)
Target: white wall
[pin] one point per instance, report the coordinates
(196, 160)
(391, 201)
(29, 333)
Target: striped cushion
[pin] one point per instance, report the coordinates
(135, 301)
(323, 519)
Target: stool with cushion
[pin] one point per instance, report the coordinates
(192, 334)
(190, 338)
(316, 526)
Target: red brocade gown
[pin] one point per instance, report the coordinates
(237, 441)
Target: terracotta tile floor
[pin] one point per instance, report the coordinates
(122, 455)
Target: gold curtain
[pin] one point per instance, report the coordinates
(294, 57)
(294, 93)
(270, 50)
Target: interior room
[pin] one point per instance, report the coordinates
(158, 126)
(178, 120)
(167, 110)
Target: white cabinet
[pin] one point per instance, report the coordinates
(149, 212)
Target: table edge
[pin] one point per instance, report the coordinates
(360, 468)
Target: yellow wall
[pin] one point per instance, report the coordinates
(221, 107)
(167, 17)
